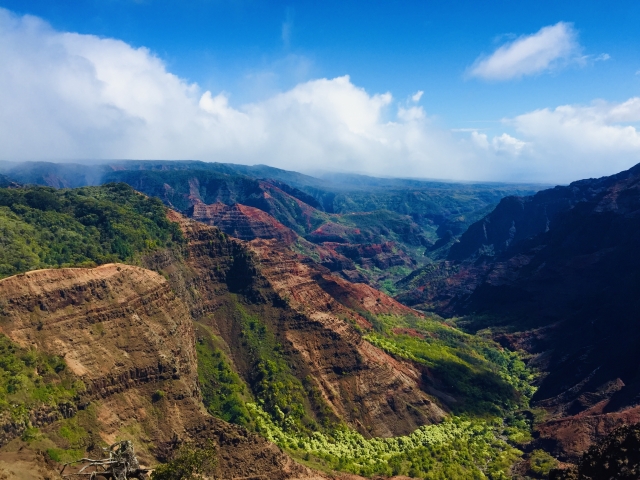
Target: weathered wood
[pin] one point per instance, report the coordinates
(122, 464)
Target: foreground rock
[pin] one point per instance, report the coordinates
(127, 336)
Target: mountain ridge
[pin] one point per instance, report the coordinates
(556, 275)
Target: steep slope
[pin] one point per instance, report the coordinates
(182, 189)
(362, 384)
(518, 218)
(557, 274)
(5, 181)
(300, 340)
(126, 336)
(315, 332)
(242, 222)
(615, 456)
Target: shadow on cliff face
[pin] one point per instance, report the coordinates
(558, 275)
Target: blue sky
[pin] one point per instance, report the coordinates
(251, 51)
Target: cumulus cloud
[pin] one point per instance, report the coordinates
(67, 96)
(583, 141)
(417, 96)
(70, 96)
(565, 143)
(500, 144)
(530, 54)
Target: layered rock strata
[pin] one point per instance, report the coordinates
(126, 335)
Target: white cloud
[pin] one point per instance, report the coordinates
(499, 144)
(566, 143)
(70, 96)
(572, 142)
(530, 54)
(417, 96)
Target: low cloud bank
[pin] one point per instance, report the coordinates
(70, 96)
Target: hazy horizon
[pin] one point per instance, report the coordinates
(533, 93)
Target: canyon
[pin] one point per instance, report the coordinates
(555, 274)
(250, 306)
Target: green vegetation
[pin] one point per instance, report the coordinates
(455, 449)
(276, 389)
(158, 395)
(62, 455)
(223, 391)
(480, 441)
(484, 378)
(73, 432)
(189, 463)
(542, 463)
(29, 378)
(41, 227)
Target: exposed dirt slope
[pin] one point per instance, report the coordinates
(301, 303)
(243, 222)
(387, 391)
(126, 335)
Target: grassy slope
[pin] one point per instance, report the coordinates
(30, 379)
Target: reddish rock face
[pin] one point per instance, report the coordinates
(125, 334)
(569, 437)
(243, 222)
(314, 314)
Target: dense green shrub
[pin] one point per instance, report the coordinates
(41, 227)
(223, 391)
(189, 463)
(541, 462)
(455, 449)
(274, 386)
(485, 378)
(29, 377)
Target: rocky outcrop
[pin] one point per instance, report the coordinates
(117, 326)
(382, 255)
(126, 335)
(243, 222)
(569, 437)
(309, 312)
